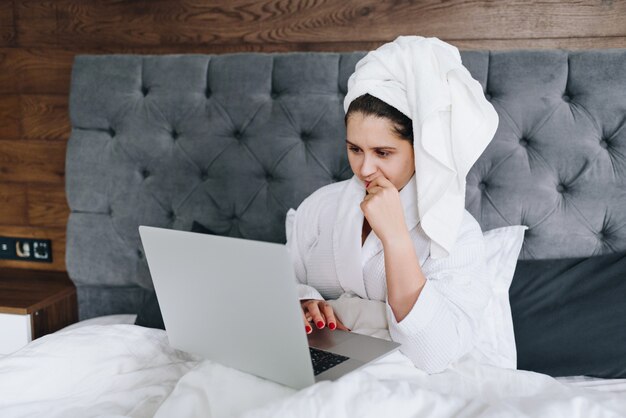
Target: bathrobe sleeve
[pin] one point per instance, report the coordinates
(441, 326)
(301, 236)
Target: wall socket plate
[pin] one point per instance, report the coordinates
(26, 249)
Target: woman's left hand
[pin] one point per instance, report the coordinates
(382, 208)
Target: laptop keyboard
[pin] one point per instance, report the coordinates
(323, 360)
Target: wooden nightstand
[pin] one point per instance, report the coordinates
(33, 304)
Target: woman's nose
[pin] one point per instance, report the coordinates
(368, 167)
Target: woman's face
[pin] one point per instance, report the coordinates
(374, 147)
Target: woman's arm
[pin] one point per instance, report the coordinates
(442, 324)
(433, 310)
(405, 279)
(383, 210)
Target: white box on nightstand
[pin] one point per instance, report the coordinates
(32, 304)
(16, 332)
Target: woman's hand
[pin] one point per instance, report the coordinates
(383, 210)
(321, 313)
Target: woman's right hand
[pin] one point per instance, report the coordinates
(321, 314)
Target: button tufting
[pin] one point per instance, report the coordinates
(110, 212)
(305, 135)
(207, 92)
(487, 96)
(604, 143)
(482, 185)
(204, 175)
(274, 95)
(111, 132)
(269, 177)
(523, 142)
(567, 98)
(171, 215)
(145, 173)
(139, 254)
(561, 188)
(237, 134)
(145, 90)
(174, 134)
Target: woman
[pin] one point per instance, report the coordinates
(397, 231)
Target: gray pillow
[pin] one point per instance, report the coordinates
(150, 313)
(568, 316)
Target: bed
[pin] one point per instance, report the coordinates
(232, 142)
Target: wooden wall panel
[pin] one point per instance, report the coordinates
(7, 23)
(164, 22)
(34, 117)
(47, 206)
(7, 78)
(35, 70)
(40, 38)
(45, 117)
(31, 161)
(10, 117)
(544, 43)
(13, 204)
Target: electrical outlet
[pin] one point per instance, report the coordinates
(26, 249)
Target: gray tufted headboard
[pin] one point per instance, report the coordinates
(233, 141)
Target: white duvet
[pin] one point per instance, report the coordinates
(130, 371)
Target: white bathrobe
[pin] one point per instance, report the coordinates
(324, 240)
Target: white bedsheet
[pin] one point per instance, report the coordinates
(91, 371)
(130, 371)
(616, 386)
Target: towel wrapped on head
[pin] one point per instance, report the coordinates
(452, 123)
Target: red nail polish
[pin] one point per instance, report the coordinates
(331, 325)
(320, 324)
(308, 329)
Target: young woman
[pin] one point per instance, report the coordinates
(366, 236)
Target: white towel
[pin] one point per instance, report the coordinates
(452, 123)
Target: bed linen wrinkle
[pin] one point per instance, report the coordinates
(130, 371)
(92, 370)
(392, 386)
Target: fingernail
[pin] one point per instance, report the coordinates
(332, 325)
(308, 329)
(320, 324)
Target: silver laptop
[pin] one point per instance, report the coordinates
(235, 301)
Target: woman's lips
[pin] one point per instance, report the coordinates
(367, 183)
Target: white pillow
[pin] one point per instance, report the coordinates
(289, 220)
(495, 341)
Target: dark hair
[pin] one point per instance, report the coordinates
(370, 105)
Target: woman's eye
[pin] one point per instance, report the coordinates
(354, 149)
(382, 153)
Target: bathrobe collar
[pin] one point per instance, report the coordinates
(349, 256)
